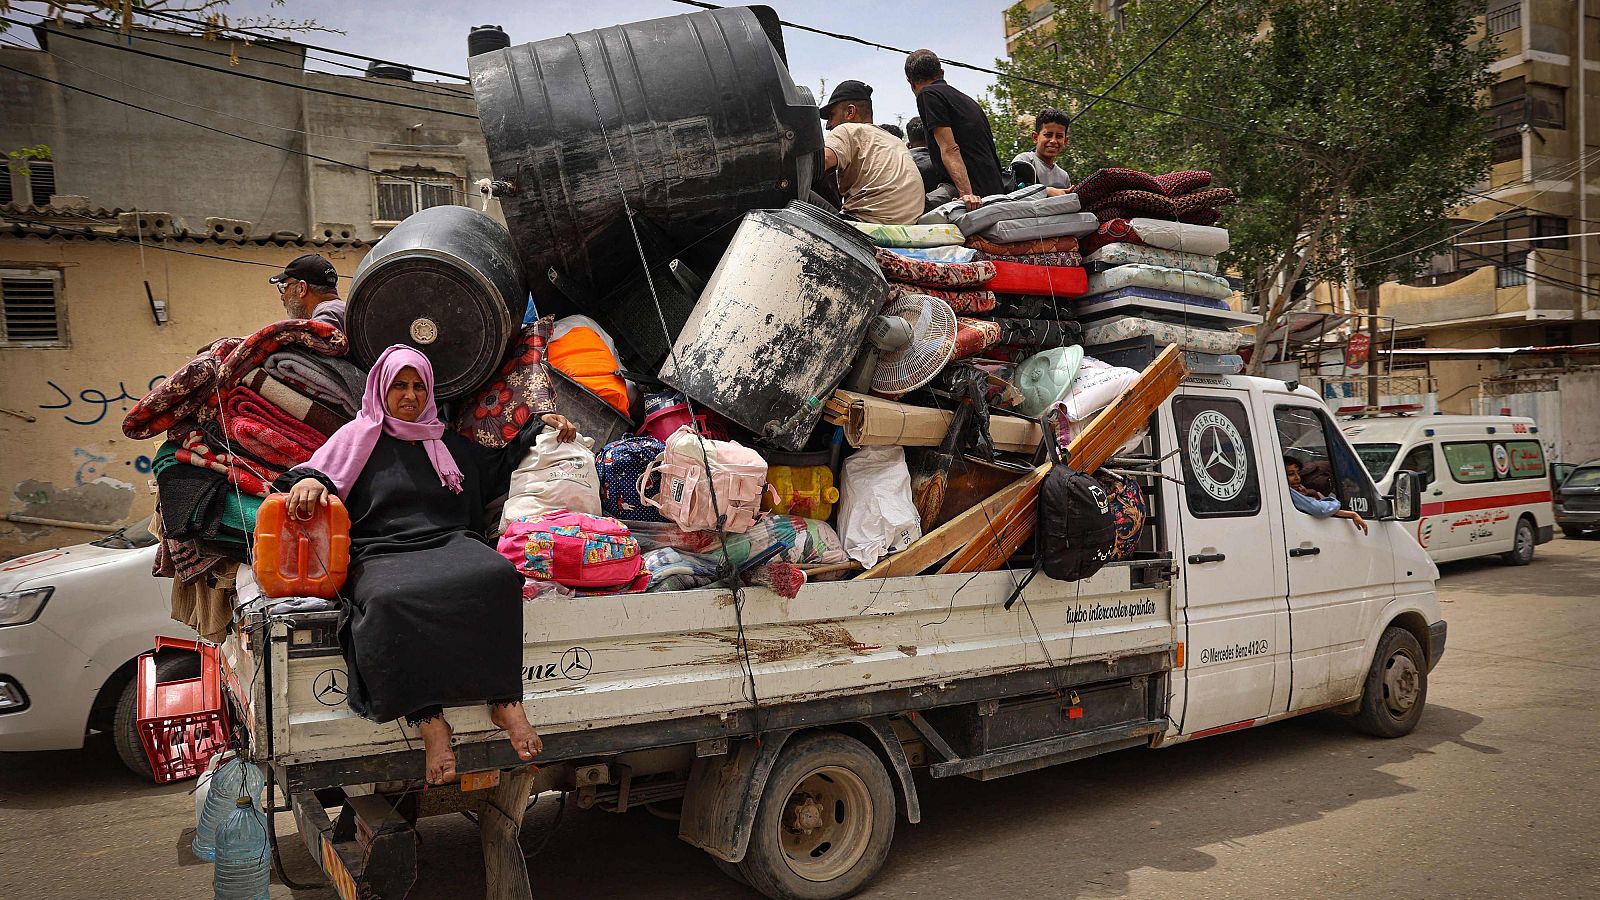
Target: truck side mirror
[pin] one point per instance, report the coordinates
(1406, 502)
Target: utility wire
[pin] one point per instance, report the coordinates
(1147, 57)
(261, 78)
(165, 115)
(1082, 92)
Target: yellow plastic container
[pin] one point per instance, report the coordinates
(802, 491)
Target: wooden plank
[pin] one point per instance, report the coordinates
(992, 545)
(505, 871)
(954, 534)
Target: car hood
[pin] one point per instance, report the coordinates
(50, 565)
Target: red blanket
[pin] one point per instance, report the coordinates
(249, 476)
(267, 432)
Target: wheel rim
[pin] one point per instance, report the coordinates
(1524, 539)
(826, 824)
(1402, 683)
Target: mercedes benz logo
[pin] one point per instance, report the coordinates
(328, 688)
(576, 664)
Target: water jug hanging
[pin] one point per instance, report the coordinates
(301, 557)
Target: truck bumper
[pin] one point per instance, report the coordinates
(1436, 635)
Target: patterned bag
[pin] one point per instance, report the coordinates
(1128, 512)
(620, 464)
(574, 550)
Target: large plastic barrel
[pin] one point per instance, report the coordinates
(447, 282)
(486, 38)
(701, 116)
(780, 322)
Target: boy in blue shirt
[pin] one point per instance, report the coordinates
(1314, 504)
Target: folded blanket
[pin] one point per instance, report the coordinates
(220, 366)
(1123, 253)
(1067, 225)
(1024, 248)
(911, 235)
(190, 497)
(947, 276)
(671, 569)
(1119, 328)
(937, 254)
(520, 390)
(196, 448)
(328, 379)
(1159, 278)
(1094, 190)
(960, 301)
(1197, 204)
(1062, 258)
(973, 336)
(983, 218)
(1202, 239)
(296, 404)
(267, 431)
(1176, 184)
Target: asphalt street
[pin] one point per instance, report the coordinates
(1496, 794)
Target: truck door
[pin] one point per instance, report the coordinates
(1233, 584)
(1339, 578)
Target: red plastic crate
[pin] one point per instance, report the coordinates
(181, 724)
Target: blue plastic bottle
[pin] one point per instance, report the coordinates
(231, 780)
(244, 860)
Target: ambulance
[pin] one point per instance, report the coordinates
(1485, 483)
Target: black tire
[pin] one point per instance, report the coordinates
(1521, 552)
(124, 734)
(1572, 531)
(854, 819)
(1396, 688)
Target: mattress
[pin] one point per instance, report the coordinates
(1093, 309)
(1189, 337)
(1010, 231)
(1036, 281)
(1207, 240)
(1160, 278)
(911, 235)
(984, 217)
(1123, 253)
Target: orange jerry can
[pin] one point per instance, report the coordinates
(302, 557)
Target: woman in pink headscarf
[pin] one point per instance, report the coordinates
(432, 615)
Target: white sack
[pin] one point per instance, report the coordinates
(876, 515)
(554, 476)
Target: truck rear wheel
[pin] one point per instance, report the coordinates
(124, 728)
(825, 821)
(1396, 688)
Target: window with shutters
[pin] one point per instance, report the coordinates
(405, 191)
(5, 184)
(31, 299)
(41, 181)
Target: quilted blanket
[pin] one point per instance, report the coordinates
(960, 301)
(1123, 253)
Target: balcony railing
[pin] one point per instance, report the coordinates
(1501, 21)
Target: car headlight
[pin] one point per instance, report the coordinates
(22, 607)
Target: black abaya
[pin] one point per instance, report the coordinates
(431, 615)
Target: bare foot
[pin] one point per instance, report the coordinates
(514, 719)
(441, 758)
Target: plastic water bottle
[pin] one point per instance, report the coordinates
(202, 790)
(233, 779)
(243, 858)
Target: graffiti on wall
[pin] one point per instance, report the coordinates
(91, 405)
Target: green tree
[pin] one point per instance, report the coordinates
(1347, 129)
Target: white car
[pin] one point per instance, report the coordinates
(73, 621)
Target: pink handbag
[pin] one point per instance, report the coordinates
(575, 550)
(738, 473)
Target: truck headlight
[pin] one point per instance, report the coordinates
(22, 607)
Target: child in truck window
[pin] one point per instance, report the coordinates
(1314, 503)
(431, 616)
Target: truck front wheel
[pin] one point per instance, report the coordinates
(825, 821)
(1396, 687)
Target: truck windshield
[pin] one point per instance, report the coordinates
(1377, 457)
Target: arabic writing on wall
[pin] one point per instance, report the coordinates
(91, 405)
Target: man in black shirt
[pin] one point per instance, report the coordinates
(965, 155)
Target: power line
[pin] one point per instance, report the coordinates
(166, 115)
(145, 90)
(261, 78)
(447, 91)
(1083, 92)
(1147, 57)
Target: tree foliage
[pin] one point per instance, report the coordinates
(1347, 129)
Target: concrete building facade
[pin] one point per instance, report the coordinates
(129, 199)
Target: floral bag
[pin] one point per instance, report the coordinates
(581, 552)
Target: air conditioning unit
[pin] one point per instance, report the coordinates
(221, 229)
(154, 225)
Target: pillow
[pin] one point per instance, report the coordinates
(1093, 190)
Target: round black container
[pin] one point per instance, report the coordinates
(486, 38)
(700, 113)
(445, 281)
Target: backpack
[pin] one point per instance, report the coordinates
(621, 464)
(576, 551)
(1076, 528)
(738, 474)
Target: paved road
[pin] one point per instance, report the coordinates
(1495, 795)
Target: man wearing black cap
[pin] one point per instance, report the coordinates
(877, 175)
(309, 288)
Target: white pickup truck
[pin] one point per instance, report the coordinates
(789, 729)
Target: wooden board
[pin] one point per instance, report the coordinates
(954, 534)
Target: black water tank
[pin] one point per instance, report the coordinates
(485, 38)
(392, 71)
(702, 116)
(445, 281)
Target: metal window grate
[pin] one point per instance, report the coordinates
(31, 313)
(412, 190)
(41, 182)
(1500, 21)
(5, 184)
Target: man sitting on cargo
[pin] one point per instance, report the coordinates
(1312, 503)
(877, 175)
(430, 616)
(1038, 166)
(963, 143)
(309, 289)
